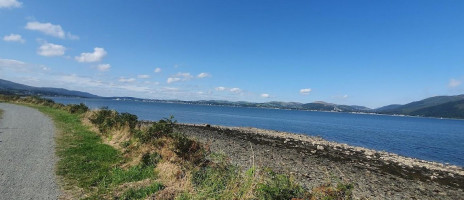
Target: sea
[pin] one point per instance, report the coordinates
(433, 139)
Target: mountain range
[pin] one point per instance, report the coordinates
(438, 106)
(8, 87)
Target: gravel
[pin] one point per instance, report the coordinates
(314, 161)
(27, 154)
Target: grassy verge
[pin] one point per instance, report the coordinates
(89, 164)
(109, 155)
(1, 113)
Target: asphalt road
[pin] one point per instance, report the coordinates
(27, 154)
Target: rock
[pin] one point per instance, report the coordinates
(318, 158)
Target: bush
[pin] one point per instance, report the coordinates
(128, 119)
(278, 186)
(77, 108)
(189, 149)
(151, 160)
(104, 119)
(158, 129)
(125, 144)
(327, 191)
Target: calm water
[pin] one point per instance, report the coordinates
(425, 138)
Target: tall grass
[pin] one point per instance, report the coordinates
(101, 170)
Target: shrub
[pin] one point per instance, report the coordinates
(189, 149)
(77, 108)
(125, 144)
(158, 129)
(104, 119)
(9, 98)
(278, 186)
(151, 159)
(327, 191)
(127, 119)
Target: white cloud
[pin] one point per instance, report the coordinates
(126, 80)
(49, 49)
(345, 96)
(185, 76)
(78, 80)
(454, 83)
(235, 90)
(143, 76)
(172, 79)
(179, 77)
(16, 66)
(203, 75)
(305, 91)
(134, 88)
(9, 63)
(10, 4)
(95, 56)
(103, 67)
(50, 29)
(72, 37)
(157, 70)
(13, 38)
(220, 88)
(265, 95)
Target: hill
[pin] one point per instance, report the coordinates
(438, 106)
(8, 87)
(422, 104)
(454, 109)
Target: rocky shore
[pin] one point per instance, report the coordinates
(314, 161)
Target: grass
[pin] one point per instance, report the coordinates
(142, 193)
(1, 113)
(133, 174)
(108, 155)
(85, 161)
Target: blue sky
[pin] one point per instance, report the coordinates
(370, 53)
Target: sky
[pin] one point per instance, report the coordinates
(370, 53)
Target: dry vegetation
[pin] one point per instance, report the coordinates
(124, 160)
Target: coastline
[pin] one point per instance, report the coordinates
(277, 108)
(270, 108)
(313, 160)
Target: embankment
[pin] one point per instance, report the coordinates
(312, 161)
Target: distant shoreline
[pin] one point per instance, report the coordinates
(270, 108)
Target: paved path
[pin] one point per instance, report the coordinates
(27, 154)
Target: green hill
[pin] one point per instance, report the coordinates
(8, 87)
(453, 109)
(439, 106)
